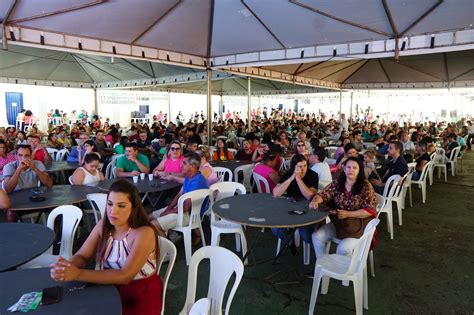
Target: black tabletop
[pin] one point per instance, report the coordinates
(92, 299)
(56, 196)
(232, 165)
(264, 210)
(58, 166)
(143, 186)
(21, 242)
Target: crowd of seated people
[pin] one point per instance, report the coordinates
(175, 152)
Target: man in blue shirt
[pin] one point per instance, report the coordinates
(167, 218)
(73, 157)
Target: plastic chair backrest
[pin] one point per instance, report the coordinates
(425, 171)
(222, 173)
(111, 165)
(197, 197)
(167, 249)
(262, 184)
(70, 180)
(225, 190)
(361, 250)
(454, 154)
(247, 175)
(391, 186)
(411, 170)
(331, 152)
(53, 153)
(62, 154)
(98, 202)
(223, 264)
(401, 184)
(200, 307)
(72, 215)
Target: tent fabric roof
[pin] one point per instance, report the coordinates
(212, 29)
(430, 68)
(57, 66)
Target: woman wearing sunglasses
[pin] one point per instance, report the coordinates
(172, 162)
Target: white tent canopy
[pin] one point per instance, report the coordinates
(242, 32)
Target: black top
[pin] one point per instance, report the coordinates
(310, 179)
(56, 196)
(396, 167)
(195, 138)
(76, 299)
(424, 157)
(241, 155)
(21, 242)
(264, 210)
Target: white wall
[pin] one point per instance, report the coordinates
(40, 100)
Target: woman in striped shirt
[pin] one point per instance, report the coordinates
(126, 247)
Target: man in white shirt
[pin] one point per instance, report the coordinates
(316, 160)
(408, 145)
(344, 123)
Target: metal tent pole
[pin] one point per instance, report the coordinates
(209, 109)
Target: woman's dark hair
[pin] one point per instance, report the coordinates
(269, 156)
(267, 138)
(360, 180)
(138, 216)
(224, 149)
(348, 147)
(295, 160)
(124, 141)
(5, 144)
(92, 144)
(91, 157)
(22, 132)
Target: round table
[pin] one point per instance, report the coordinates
(264, 210)
(144, 187)
(60, 166)
(57, 195)
(76, 298)
(231, 165)
(21, 242)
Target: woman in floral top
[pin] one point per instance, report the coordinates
(351, 204)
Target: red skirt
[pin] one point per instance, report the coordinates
(142, 297)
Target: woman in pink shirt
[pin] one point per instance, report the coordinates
(5, 156)
(172, 163)
(265, 169)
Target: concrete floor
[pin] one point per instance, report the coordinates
(427, 268)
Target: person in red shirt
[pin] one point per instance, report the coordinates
(39, 151)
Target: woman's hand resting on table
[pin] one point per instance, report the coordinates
(64, 270)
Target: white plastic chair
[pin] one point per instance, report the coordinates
(98, 202)
(221, 226)
(422, 181)
(401, 191)
(198, 197)
(331, 152)
(439, 163)
(222, 173)
(285, 165)
(384, 203)
(346, 268)
(259, 181)
(407, 183)
(201, 307)
(223, 264)
(453, 160)
(71, 216)
(62, 154)
(52, 152)
(246, 171)
(168, 253)
(109, 170)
